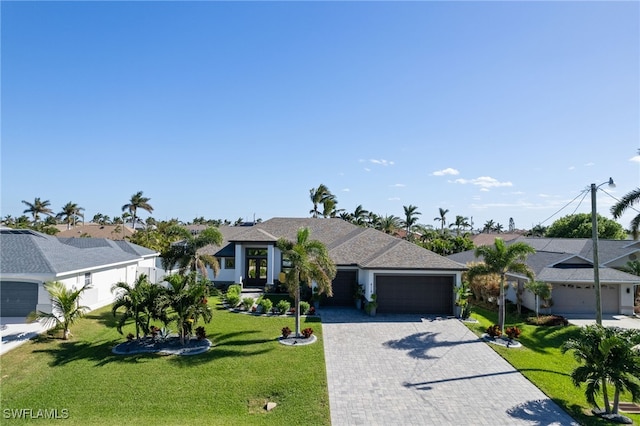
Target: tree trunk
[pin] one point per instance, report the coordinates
(605, 396)
(501, 308)
(297, 302)
(616, 400)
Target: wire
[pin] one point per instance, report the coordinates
(578, 206)
(565, 206)
(630, 207)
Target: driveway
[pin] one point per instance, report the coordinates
(412, 370)
(15, 331)
(622, 321)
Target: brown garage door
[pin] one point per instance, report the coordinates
(343, 289)
(415, 294)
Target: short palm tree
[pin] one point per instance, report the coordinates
(310, 263)
(541, 290)
(186, 295)
(618, 209)
(185, 253)
(138, 201)
(389, 224)
(65, 307)
(500, 259)
(70, 213)
(37, 208)
(133, 299)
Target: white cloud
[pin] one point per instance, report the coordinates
(366, 169)
(398, 185)
(572, 167)
(447, 171)
(635, 159)
(484, 189)
(483, 182)
(346, 190)
(590, 164)
(382, 162)
(394, 199)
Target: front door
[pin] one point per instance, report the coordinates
(256, 269)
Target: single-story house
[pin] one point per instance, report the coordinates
(405, 277)
(28, 259)
(567, 264)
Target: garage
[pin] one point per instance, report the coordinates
(415, 294)
(344, 286)
(581, 298)
(18, 298)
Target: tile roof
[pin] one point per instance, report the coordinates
(31, 252)
(95, 230)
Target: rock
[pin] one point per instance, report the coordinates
(270, 406)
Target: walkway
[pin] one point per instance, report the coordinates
(409, 370)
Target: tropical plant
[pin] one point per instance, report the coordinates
(307, 332)
(389, 224)
(186, 296)
(37, 208)
(442, 218)
(606, 357)
(580, 226)
(310, 263)
(626, 202)
(500, 259)
(286, 331)
(186, 253)
(283, 306)
(463, 293)
(461, 223)
(132, 298)
(359, 216)
(70, 213)
(138, 201)
(266, 305)
(411, 214)
(320, 195)
(65, 307)
(304, 307)
(541, 290)
(247, 303)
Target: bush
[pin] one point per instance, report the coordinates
(548, 320)
(307, 332)
(200, 333)
(283, 307)
(304, 308)
(494, 330)
(234, 289)
(233, 300)
(513, 332)
(267, 305)
(247, 303)
(286, 331)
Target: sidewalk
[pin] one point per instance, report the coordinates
(15, 331)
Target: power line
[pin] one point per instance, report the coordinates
(565, 206)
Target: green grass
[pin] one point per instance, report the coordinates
(542, 362)
(229, 385)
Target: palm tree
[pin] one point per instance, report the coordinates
(65, 307)
(187, 297)
(319, 196)
(37, 208)
(138, 201)
(70, 213)
(633, 267)
(540, 289)
(185, 253)
(132, 299)
(500, 259)
(488, 226)
(359, 215)
(410, 218)
(310, 263)
(442, 218)
(606, 355)
(618, 209)
(389, 224)
(460, 223)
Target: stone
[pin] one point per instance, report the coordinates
(270, 406)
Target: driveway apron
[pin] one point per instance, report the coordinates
(413, 370)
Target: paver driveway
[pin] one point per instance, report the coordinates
(412, 370)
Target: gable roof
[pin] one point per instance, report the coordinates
(30, 252)
(348, 244)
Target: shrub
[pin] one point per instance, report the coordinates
(312, 310)
(307, 332)
(267, 305)
(494, 330)
(200, 333)
(512, 332)
(548, 320)
(233, 300)
(234, 289)
(283, 307)
(247, 303)
(130, 336)
(286, 331)
(304, 308)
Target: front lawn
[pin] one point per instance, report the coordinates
(229, 385)
(542, 362)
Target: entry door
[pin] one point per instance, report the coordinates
(256, 269)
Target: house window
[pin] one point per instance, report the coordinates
(257, 252)
(229, 263)
(87, 278)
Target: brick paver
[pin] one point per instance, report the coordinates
(412, 370)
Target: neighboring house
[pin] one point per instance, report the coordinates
(28, 259)
(567, 264)
(95, 230)
(405, 277)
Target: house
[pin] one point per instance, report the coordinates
(95, 230)
(567, 264)
(405, 277)
(28, 259)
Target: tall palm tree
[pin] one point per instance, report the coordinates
(411, 214)
(310, 263)
(70, 213)
(37, 208)
(442, 218)
(65, 307)
(488, 226)
(138, 201)
(132, 299)
(461, 223)
(359, 216)
(389, 224)
(500, 259)
(618, 209)
(185, 253)
(318, 196)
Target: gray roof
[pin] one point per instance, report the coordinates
(30, 252)
(569, 259)
(348, 244)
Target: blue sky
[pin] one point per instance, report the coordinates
(492, 110)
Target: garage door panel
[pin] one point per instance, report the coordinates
(581, 298)
(343, 287)
(18, 299)
(415, 294)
